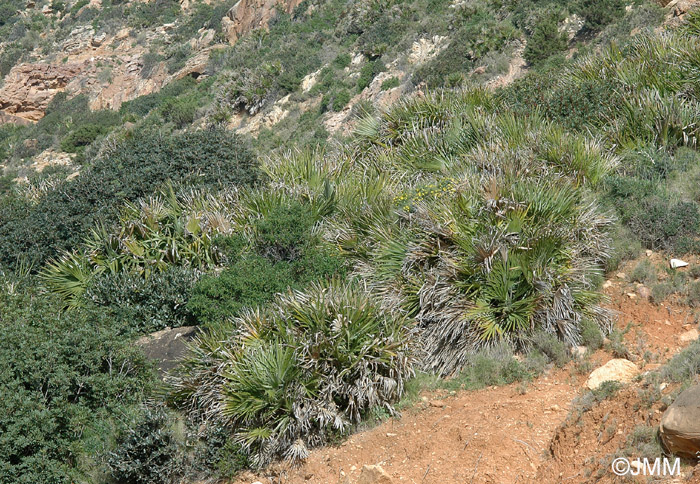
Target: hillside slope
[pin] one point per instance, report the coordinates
(236, 240)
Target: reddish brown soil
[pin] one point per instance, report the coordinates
(513, 433)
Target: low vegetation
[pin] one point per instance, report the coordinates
(331, 282)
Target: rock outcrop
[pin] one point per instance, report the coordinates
(247, 15)
(29, 88)
(167, 346)
(680, 424)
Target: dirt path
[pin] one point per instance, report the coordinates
(503, 434)
(477, 437)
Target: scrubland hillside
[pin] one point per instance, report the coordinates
(233, 234)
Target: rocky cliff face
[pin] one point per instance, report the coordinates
(247, 15)
(29, 88)
(109, 69)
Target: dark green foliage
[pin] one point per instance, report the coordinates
(144, 305)
(368, 72)
(180, 111)
(285, 254)
(390, 83)
(284, 233)
(250, 281)
(178, 57)
(81, 137)
(66, 118)
(10, 55)
(62, 376)
(140, 164)
(591, 336)
(545, 41)
(652, 215)
(577, 107)
(143, 105)
(599, 13)
(8, 11)
(341, 99)
(221, 453)
(147, 452)
(342, 60)
(143, 15)
(203, 16)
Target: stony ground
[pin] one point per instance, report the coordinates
(516, 433)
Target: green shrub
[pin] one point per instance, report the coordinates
(661, 291)
(144, 15)
(551, 346)
(591, 336)
(147, 452)
(649, 212)
(579, 106)
(285, 255)
(139, 164)
(9, 57)
(144, 305)
(644, 272)
(607, 390)
(683, 367)
(180, 111)
(249, 282)
(599, 13)
(142, 105)
(81, 137)
(177, 57)
(66, 378)
(298, 375)
(341, 99)
(478, 33)
(545, 41)
(693, 298)
(150, 61)
(342, 60)
(368, 73)
(390, 83)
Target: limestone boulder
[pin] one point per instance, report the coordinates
(619, 370)
(680, 424)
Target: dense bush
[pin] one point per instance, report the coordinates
(599, 13)
(144, 305)
(579, 106)
(81, 137)
(653, 216)
(285, 254)
(147, 451)
(291, 377)
(159, 233)
(68, 124)
(545, 41)
(368, 73)
(64, 377)
(143, 105)
(136, 166)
